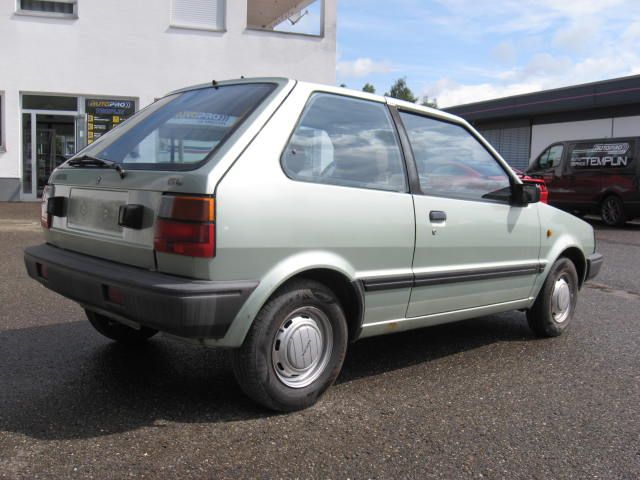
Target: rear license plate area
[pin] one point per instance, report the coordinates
(95, 211)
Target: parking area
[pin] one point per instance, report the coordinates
(478, 399)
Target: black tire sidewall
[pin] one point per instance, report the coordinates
(540, 316)
(621, 220)
(309, 294)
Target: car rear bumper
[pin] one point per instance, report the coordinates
(594, 263)
(176, 305)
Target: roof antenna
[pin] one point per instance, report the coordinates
(215, 84)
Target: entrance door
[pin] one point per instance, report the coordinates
(49, 139)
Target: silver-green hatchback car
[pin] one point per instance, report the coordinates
(283, 219)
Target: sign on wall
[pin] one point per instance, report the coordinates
(103, 115)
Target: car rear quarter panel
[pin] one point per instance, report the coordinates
(270, 228)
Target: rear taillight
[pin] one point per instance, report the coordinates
(185, 226)
(45, 216)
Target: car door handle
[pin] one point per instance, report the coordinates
(437, 216)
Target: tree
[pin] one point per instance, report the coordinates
(400, 90)
(369, 88)
(429, 103)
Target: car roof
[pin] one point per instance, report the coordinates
(232, 81)
(401, 104)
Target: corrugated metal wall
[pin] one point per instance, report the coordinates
(513, 143)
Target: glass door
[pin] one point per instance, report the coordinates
(49, 139)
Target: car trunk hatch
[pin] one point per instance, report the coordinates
(93, 199)
(181, 144)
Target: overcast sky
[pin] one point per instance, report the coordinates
(462, 51)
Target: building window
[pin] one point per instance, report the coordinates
(303, 17)
(48, 8)
(198, 14)
(49, 102)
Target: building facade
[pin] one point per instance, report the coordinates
(523, 126)
(74, 69)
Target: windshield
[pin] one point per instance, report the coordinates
(179, 131)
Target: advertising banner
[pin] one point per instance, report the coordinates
(602, 155)
(103, 115)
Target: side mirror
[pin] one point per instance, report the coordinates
(523, 194)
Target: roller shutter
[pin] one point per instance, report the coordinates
(513, 143)
(204, 14)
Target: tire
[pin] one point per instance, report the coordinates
(550, 316)
(267, 363)
(612, 211)
(117, 331)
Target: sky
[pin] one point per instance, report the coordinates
(463, 51)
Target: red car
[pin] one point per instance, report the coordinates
(544, 193)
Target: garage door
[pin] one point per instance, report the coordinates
(512, 143)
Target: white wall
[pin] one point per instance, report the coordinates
(544, 135)
(126, 48)
(626, 126)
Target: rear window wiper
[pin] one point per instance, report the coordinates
(89, 161)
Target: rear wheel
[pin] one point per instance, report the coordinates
(118, 331)
(553, 309)
(295, 348)
(612, 211)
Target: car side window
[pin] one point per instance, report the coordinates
(543, 160)
(345, 141)
(450, 161)
(550, 158)
(555, 155)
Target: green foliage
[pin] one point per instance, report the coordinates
(401, 91)
(426, 102)
(369, 88)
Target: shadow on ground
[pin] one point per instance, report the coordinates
(597, 223)
(64, 381)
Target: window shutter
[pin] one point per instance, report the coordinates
(57, 7)
(512, 143)
(198, 14)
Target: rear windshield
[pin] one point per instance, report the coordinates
(179, 131)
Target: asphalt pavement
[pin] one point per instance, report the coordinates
(478, 399)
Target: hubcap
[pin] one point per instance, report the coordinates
(302, 347)
(561, 300)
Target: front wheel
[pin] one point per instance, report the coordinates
(117, 331)
(612, 211)
(295, 348)
(553, 309)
